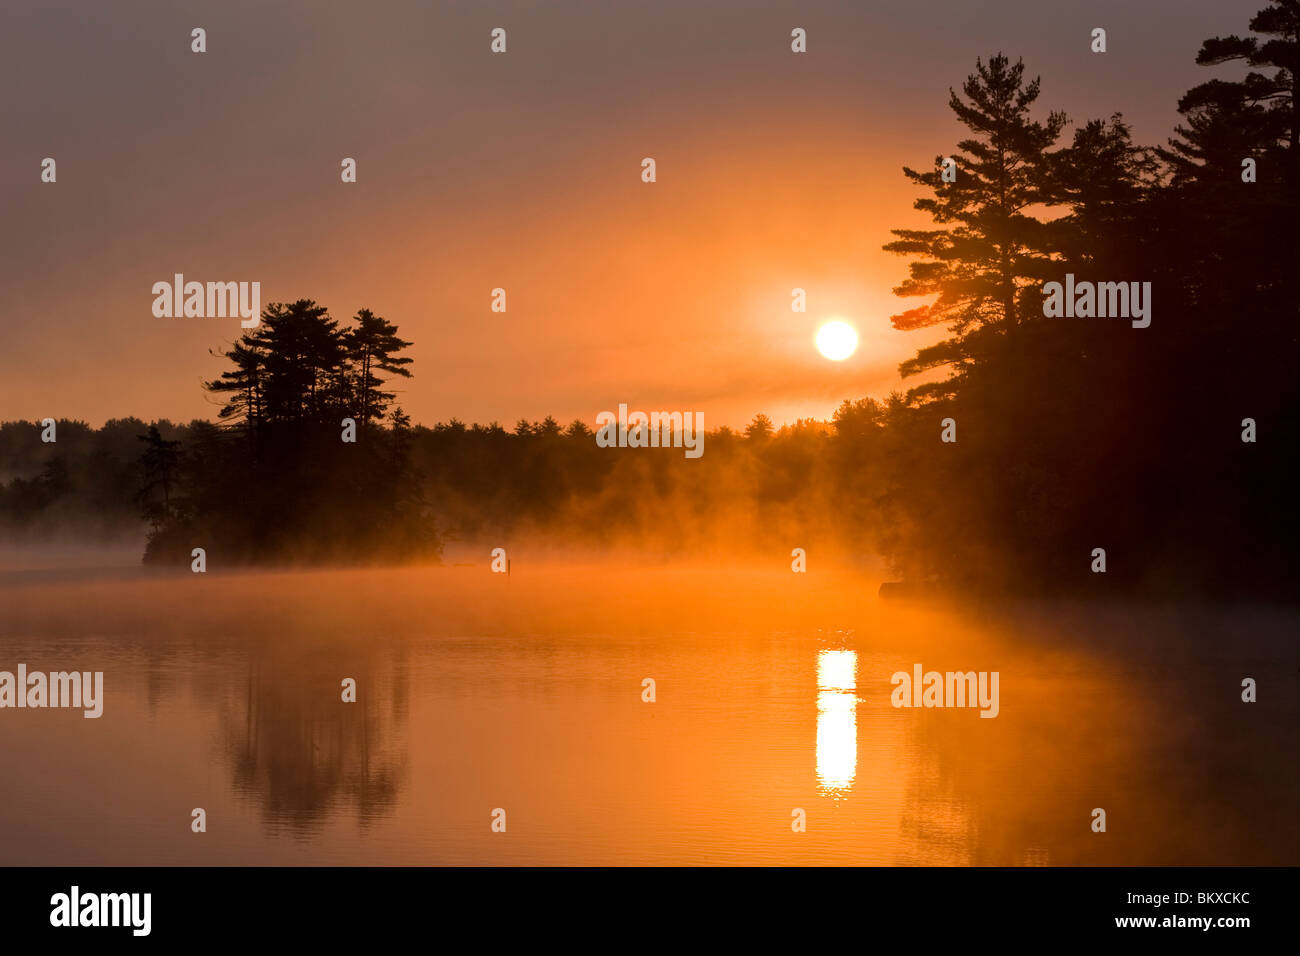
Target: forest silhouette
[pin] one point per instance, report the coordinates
(1072, 433)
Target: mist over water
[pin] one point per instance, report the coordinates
(478, 690)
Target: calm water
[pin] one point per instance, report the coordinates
(773, 693)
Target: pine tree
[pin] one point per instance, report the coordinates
(1104, 180)
(245, 383)
(371, 346)
(991, 254)
(159, 463)
(1254, 116)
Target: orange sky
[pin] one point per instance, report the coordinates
(520, 171)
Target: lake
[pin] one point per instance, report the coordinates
(524, 693)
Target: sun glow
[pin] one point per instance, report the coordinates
(837, 340)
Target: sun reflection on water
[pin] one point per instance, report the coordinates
(837, 721)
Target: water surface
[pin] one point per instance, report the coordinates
(477, 692)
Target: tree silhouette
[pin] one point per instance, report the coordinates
(371, 346)
(1104, 180)
(1260, 111)
(982, 264)
(305, 357)
(245, 383)
(760, 427)
(283, 483)
(160, 464)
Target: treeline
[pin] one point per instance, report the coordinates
(805, 485)
(83, 484)
(1079, 433)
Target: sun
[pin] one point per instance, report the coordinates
(837, 340)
